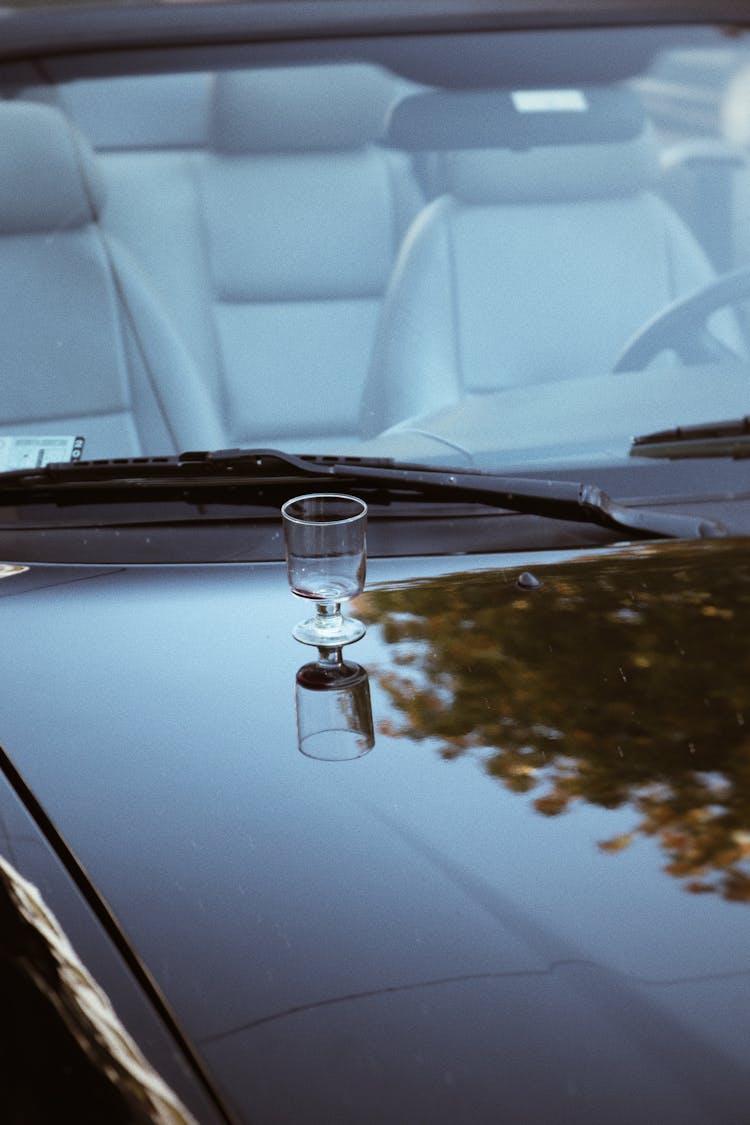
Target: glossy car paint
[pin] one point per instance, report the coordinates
(64, 1042)
(531, 899)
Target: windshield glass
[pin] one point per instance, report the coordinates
(446, 249)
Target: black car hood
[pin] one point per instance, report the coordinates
(530, 900)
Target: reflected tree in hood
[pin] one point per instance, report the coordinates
(627, 685)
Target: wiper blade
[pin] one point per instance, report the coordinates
(270, 474)
(707, 439)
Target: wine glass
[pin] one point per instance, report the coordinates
(326, 560)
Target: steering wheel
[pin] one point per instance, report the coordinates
(682, 327)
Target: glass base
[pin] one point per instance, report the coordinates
(329, 631)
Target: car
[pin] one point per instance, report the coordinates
(374, 575)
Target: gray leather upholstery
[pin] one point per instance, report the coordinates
(303, 215)
(300, 109)
(85, 347)
(524, 243)
(272, 248)
(145, 111)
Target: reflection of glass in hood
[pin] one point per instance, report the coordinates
(334, 712)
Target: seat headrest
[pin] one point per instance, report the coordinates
(143, 111)
(305, 108)
(497, 146)
(48, 174)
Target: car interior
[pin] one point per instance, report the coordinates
(324, 257)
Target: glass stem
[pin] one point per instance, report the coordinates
(330, 659)
(328, 616)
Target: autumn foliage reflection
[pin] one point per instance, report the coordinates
(621, 683)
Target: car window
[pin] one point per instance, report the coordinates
(372, 257)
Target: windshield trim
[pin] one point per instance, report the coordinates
(78, 30)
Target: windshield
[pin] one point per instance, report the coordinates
(445, 249)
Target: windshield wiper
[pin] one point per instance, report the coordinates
(266, 476)
(729, 438)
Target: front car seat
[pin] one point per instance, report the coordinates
(86, 349)
(544, 251)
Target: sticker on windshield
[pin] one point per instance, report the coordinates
(35, 452)
(549, 101)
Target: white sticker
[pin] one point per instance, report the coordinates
(549, 101)
(35, 452)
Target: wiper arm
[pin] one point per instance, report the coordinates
(707, 439)
(269, 473)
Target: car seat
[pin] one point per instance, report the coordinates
(544, 251)
(271, 240)
(86, 348)
(303, 216)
